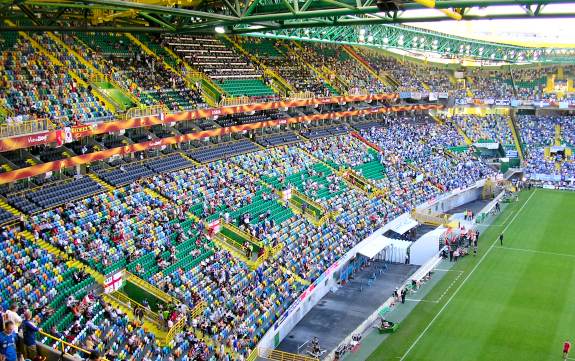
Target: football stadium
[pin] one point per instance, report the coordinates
(287, 180)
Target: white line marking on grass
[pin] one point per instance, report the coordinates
(464, 281)
(415, 300)
(536, 251)
(451, 285)
(444, 293)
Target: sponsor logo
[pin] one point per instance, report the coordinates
(37, 139)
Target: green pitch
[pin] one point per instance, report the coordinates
(515, 302)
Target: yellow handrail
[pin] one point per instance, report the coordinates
(128, 301)
(236, 101)
(26, 127)
(63, 344)
(308, 200)
(136, 112)
(302, 95)
(177, 328)
(246, 235)
(198, 309)
(149, 287)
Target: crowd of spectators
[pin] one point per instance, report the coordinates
(539, 132)
(492, 127)
(161, 240)
(35, 87)
(340, 68)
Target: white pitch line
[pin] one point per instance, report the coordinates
(536, 251)
(463, 282)
(415, 300)
(450, 285)
(445, 292)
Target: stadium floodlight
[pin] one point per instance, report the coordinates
(220, 29)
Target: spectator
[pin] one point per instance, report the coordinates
(29, 336)
(8, 342)
(12, 316)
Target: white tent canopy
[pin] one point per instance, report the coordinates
(405, 226)
(371, 246)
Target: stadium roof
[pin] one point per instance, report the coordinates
(343, 21)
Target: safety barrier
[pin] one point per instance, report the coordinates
(149, 288)
(26, 127)
(277, 355)
(431, 218)
(177, 328)
(302, 95)
(128, 302)
(138, 112)
(62, 345)
(236, 101)
(198, 309)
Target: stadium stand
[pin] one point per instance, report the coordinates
(153, 212)
(235, 74)
(35, 87)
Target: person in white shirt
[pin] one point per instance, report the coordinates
(12, 315)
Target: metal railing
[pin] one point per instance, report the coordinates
(26, 127)
(128, 302)
(248, 237)
(138, 112)
(176, 328)
(277, 355)
(62, 345)
(149, 287)
(302, 95)
(235, 101)
(431, 217)
(198, 309)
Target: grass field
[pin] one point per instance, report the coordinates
(515, 302)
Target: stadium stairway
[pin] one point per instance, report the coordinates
(386, 79)
(95, 178)
(8, 208)
(149, 51)
(112, 91)
(211, 92)
(340, 173)
(279, 84)
(331, 86)
(367, 142)
(156, 195)
(58, 253)
(294, 276)
(185, 156)
(515, 133)
(148, 324)
(460, 130)
(235, 249)
(56, 61)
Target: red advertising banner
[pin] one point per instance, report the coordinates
(78, 132)
(105, 154)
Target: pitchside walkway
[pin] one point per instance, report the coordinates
(372, 339)
(341, 312)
